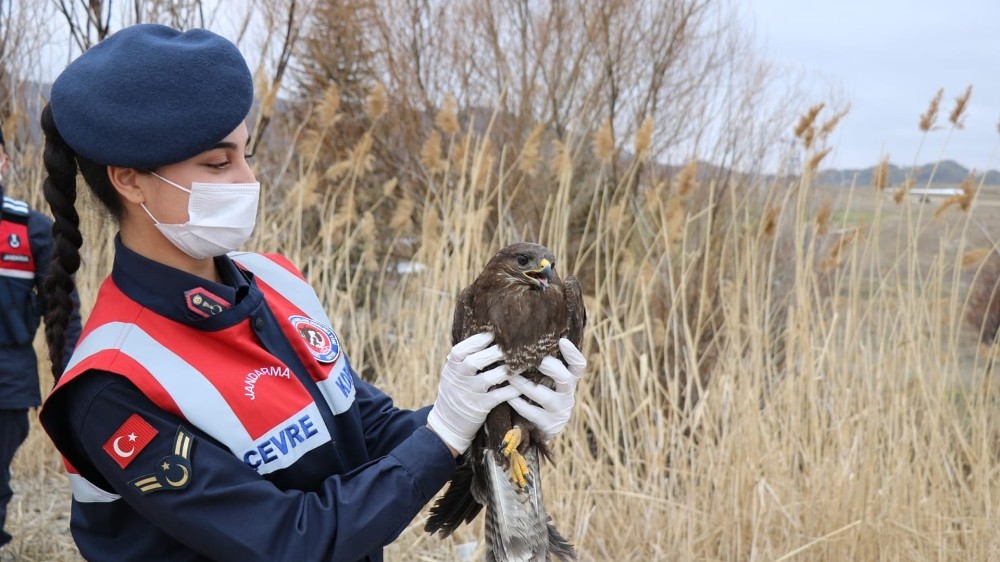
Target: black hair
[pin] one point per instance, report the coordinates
(59, 188)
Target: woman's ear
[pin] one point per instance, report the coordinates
(127, 183)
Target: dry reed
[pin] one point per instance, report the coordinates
(928, 119)
(755, 391)
(958, 112)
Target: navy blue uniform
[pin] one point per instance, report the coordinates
(25, 253)
(22, 304)
(343, 500)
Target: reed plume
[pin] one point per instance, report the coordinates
(447, 118)
(687, 179)
(817, 158)
(929, 117)
(963, 200)
(904, 189)
(561, 164)
(376, 102)
(834, 257)
(957, 114)
(823, 217)
(805, 130)
(880, 179)
(643, 140)
(328, 109)
(830, 124)
(528, 161)
(430, 153)
(604, 142)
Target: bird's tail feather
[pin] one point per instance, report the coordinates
(457, 506)
(559, 546)
(517, 527)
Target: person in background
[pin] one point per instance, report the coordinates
(210, 411)
(25, 253)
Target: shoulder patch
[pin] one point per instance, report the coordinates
(15, 206)
(321, 341)
(173, 472)
(131, 438)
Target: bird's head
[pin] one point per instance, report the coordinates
(527, 264)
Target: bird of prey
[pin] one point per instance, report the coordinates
(523, 302)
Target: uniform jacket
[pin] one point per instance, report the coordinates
(25, 253)
(207, 421)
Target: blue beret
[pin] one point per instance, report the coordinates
(151, 95)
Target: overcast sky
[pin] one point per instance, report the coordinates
(888, 58)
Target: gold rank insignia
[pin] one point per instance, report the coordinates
(173, 472)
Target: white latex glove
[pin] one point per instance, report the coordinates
(554, 406)
(464, 397)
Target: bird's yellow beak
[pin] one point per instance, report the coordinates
(542, 274)
(545, 267)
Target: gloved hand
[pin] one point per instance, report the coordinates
(553, 409)
(464, 397)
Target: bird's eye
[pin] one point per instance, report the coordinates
(522, 260)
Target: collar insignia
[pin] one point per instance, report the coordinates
(204, 303)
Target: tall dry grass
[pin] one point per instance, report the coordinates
(769, 379)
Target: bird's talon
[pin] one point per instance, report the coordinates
(510, 441)
(519, 469)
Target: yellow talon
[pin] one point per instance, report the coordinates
(518, 469)
(518, 466)
(511, 440)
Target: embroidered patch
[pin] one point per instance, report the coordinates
(204, 303)
(130, 439)
(15, 258)
(321, 340)
(173, 472)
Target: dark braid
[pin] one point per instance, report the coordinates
(60, 193)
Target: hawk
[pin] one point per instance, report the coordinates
(523, 302)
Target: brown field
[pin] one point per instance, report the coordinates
(848, 414)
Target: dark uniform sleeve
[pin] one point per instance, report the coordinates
(386, 426)
(40, 233)
(229, 512)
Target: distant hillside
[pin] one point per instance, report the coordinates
(948, 172)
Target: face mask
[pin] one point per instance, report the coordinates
(221, 217)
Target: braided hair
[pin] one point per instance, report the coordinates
(59, 188)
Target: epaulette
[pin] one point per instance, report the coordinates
(15, 207)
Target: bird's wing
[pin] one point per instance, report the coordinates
(457, 506)
(460, 504)
(577, 313)
(462, 322)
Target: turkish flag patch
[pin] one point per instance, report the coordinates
(131, 438)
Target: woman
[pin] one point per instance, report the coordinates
(209, 411)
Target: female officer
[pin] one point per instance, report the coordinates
(209, 411)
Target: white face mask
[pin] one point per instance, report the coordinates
(221, 217)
